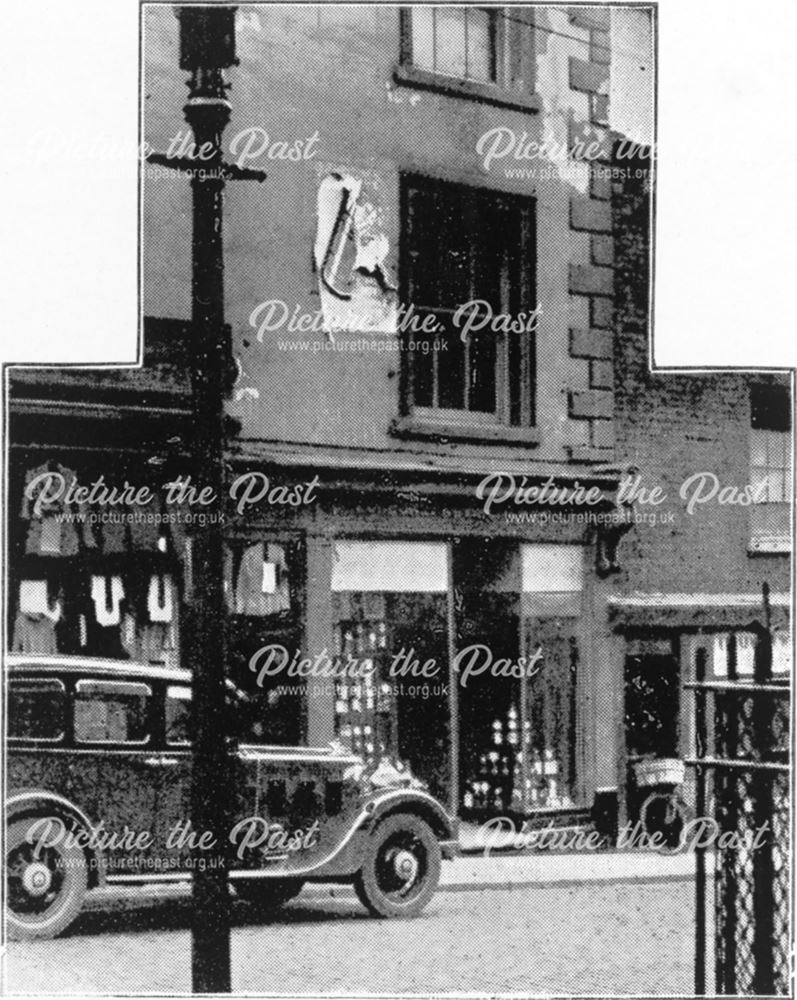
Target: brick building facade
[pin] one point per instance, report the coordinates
(420, 160)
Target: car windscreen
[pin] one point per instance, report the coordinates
(36, 709)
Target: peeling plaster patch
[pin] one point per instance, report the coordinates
(247, 395)
(351, 254)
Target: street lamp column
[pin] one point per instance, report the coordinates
(207, 48)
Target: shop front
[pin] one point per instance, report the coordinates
(662, 635)
(433, 638)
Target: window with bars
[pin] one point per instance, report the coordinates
(459, 42)
(770, 468)
(468, 257)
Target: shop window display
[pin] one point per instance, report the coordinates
(389, 613)
(91, 579)
(520, 605)
(263, 594)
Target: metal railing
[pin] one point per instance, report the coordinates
(742, 776)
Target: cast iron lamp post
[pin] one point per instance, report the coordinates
(207, 49)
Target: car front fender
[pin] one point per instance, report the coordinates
(387, 802)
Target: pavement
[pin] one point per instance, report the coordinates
(470, 872)
(541, 868)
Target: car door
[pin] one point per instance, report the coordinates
(173, 811)
(113, 773)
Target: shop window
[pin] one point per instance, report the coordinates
(770, 469)
(469, 257)
(553, 581)
(112, 712)
(459, 42)
(389, 609)
(36, 710)
(486, 577)
(93, 580)
(517, 608)
(263, 593)
(746, 643)
(257, 580)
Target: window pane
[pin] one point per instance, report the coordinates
(770, 525)
(423, 224)
(479, 247)
(481, 375)
(758, 480)
(456, 226)
(423, 38)
(178, 715)
(778, 449)
(112, 712)
(257, 579)
(549, 743)
(451, 371)
(36, 710)
(390, 608)
(770, 407)
(450, 41)
(480, 44)
(758, 448)
(423, 362)
(390, 566)
(777, 486)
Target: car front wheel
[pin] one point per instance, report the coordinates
(401, 868)
(45, 886)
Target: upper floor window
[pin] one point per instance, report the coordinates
(460, 42)
(478, 53)
(468, 261)
(770, 468)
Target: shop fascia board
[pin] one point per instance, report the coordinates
(437, 475)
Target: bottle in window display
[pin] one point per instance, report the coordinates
(512, 726)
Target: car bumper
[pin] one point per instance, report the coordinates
(450, 849)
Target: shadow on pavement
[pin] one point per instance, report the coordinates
(141, 916)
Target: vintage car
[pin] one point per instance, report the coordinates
(99, 774)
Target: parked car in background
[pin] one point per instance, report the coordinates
(99, 777)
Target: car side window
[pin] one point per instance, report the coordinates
(178, 715)
(112, 712)
(36, 710)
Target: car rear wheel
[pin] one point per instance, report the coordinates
(401, 868)
(45, 886)
(268, 893)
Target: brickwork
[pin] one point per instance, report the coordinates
(672, 427)
(591, 213)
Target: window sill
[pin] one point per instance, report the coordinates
(431, 430)
(489, 93)
(769, 546)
